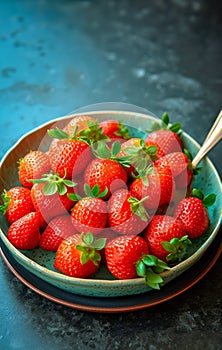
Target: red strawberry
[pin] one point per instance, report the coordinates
(184, 179)
(127, 215)
(114, 129)
(80, 122)
(33, 166)
(78, 255)
(24, 233)
(165, 137)
(158, 185)
(17, 203)
(58, 229)
(69, 156)
(90, 212)
(166, 141)
(176, 161)
(106, 173)
(107, 170)
(50, 196)
(192, 212)
(127, 257)
(122, 254)
(163, 228)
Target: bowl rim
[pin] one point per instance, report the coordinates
(115, 282)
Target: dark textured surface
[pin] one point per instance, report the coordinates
(57, 56)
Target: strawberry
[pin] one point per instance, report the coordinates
(165, 138)
(107, 170)
(78, 255)
(184, 178)
(50, 196)
(126, 215)
(164, 228)
(33, 166)
(69, 155)
(114, 129)
(17, 203)
(122, 253)
(176, 161)
(157, 184)
(24, 233)
(90, 212)
(192, 212)
(80, 122)
(58, 229)
(127, 257)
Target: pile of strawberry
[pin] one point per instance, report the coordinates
(100, 196)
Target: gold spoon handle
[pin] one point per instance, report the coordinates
(213, 137)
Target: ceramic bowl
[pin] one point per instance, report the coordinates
(103, 284)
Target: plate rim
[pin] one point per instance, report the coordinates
(102, 309)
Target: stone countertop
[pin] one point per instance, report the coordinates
(59, 56)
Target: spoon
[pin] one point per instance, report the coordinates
(212, 138)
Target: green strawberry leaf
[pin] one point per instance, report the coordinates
(95, 191)
(58, 134)
(140, 268)
(69, 183)
(188, 154)
(116, 147)
(99, 243)
(6, 201)
(88, 238)
(61, 188)
(74, 197)
(176, 127)
(101, 150)
(137, 208)
(50, 188)
(165, 118)
(153, 279)
(152, 150)
(197, 193)
(149, 260)
(209, 200)
(123, 131)
(84, 257)
(103, 193)
(88, 190)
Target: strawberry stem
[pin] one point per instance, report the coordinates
(89, 246)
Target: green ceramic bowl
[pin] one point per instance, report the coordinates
(103, 284)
